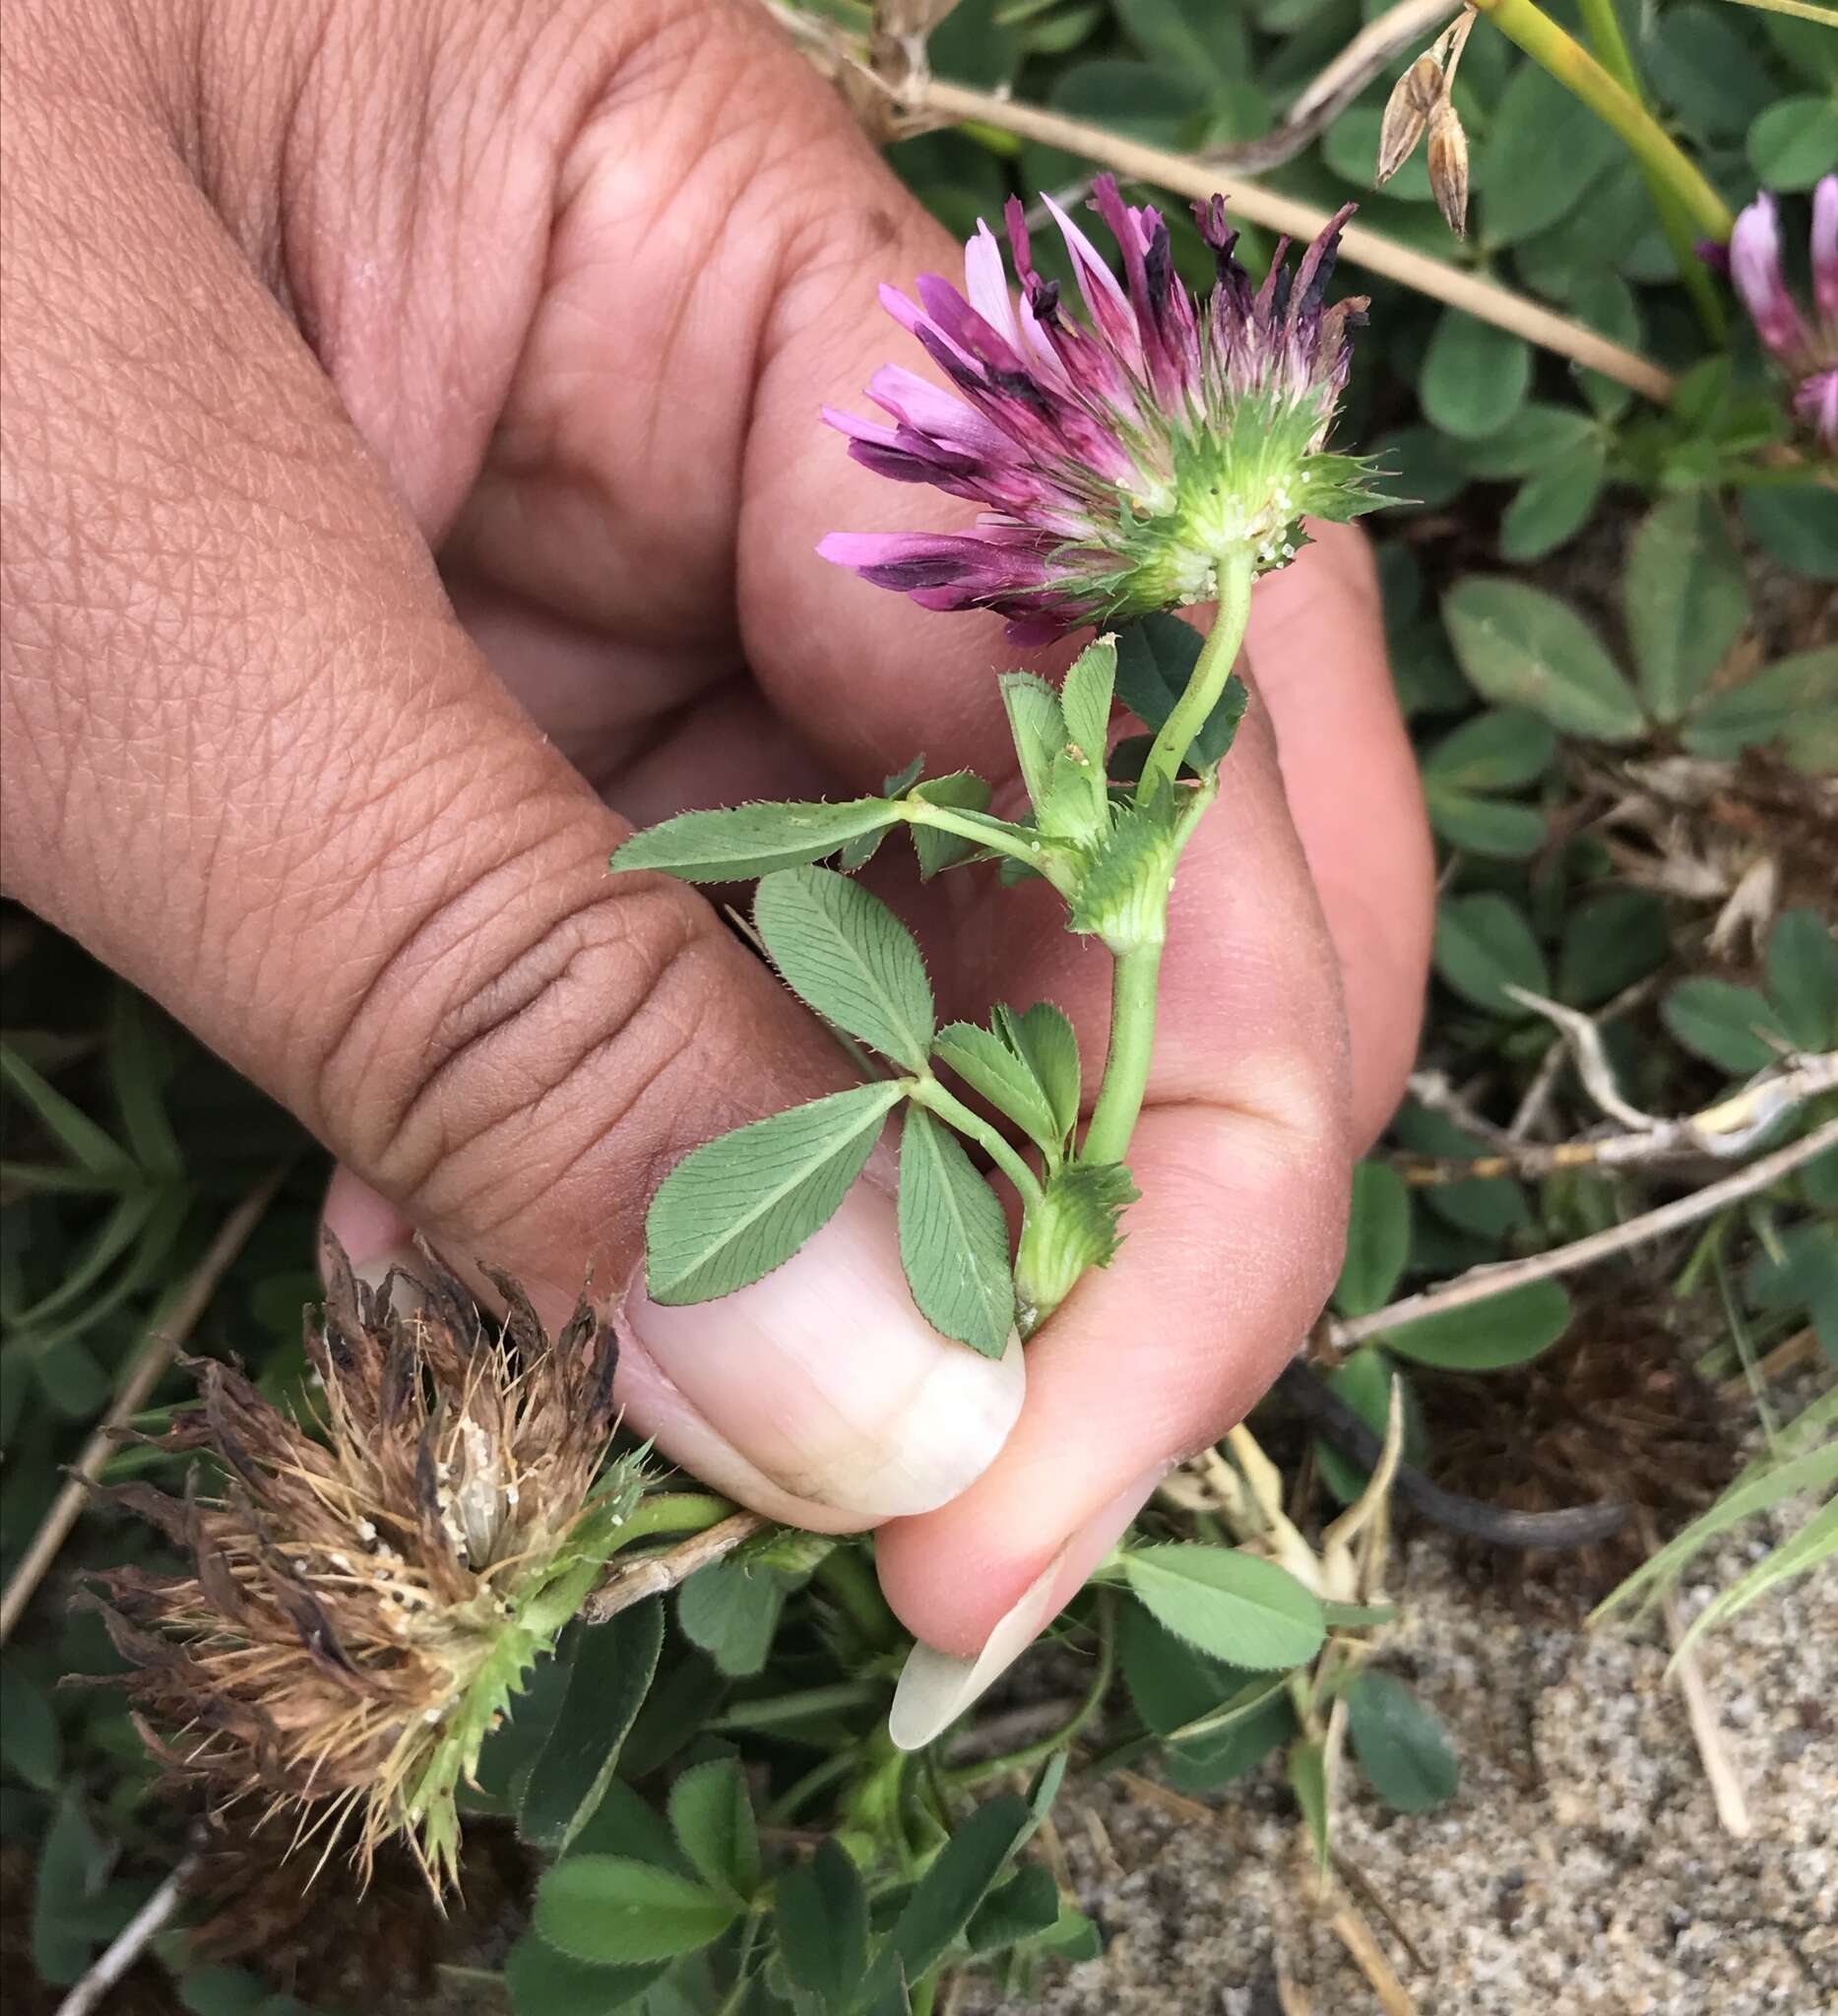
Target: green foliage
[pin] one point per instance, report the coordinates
(1522, 647)
(736, 1208)
(1402, 1748)
(1506, 1329)
(740, 842)
(610, 1671)
(953, 1240)
(1228, 1604)
(612, 1912)
(1671, 608)
(844, 953)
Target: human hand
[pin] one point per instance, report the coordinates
(557, 291)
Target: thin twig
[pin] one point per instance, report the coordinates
(658, 1573)
(920, 97)
(1319, 102)
(1482, 1283)
(1720, 1132)
(129, 1943)
(1355, 1879)
(1802, 1349)
(142, 1376)
(1358, 1937)
(1726, 1786)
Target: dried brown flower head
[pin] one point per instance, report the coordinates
(361, 1608)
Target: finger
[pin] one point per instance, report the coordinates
(253, 763)
(1318, 653)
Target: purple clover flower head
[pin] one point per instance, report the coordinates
(1806, 348)
(1117, 456)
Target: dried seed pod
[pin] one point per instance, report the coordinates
(363, 1603)
(1448, 165)
(1413, 97)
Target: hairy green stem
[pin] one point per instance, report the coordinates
(1138, 972)
(673, 1514)
(1029, 1755)
(1604, 29)
(929, 1093)
(1033, 853)
(1133, 986)
(1237, 569)
(1553, 50)
(845, 1576)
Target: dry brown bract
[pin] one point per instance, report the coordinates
(361, 1607)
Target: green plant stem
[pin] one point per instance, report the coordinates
(1134, 985)
(929, 1093)
(1525, 23)
(1031, 854)
(672, 1514)
(845, 1577)
(968, 1776)
(818, 1778)
(778, 1709)
(1138, 969)
(1237, 569)
(1603, 27)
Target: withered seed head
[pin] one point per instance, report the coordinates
(1448, 165)
(361, 1608)
(1413, 97)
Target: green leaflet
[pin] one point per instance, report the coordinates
(953, 1240)
(712, 1817)
(1007, 1080)
(737, 1207)
(1403, 1749)
(610, 1666)
(1233, 1605)
(745, 841)
(614, 1911)
(845, 953)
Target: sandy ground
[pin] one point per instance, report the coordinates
(1581, 1867)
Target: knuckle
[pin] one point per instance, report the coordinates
(503, 1041)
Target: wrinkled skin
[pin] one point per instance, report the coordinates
(299, 299)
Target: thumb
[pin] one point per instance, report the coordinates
(253, 762)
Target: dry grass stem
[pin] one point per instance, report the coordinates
(1482, 1283)
(144, 1373)
(1726, 1786)
(923, 101)
(657, 1574)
